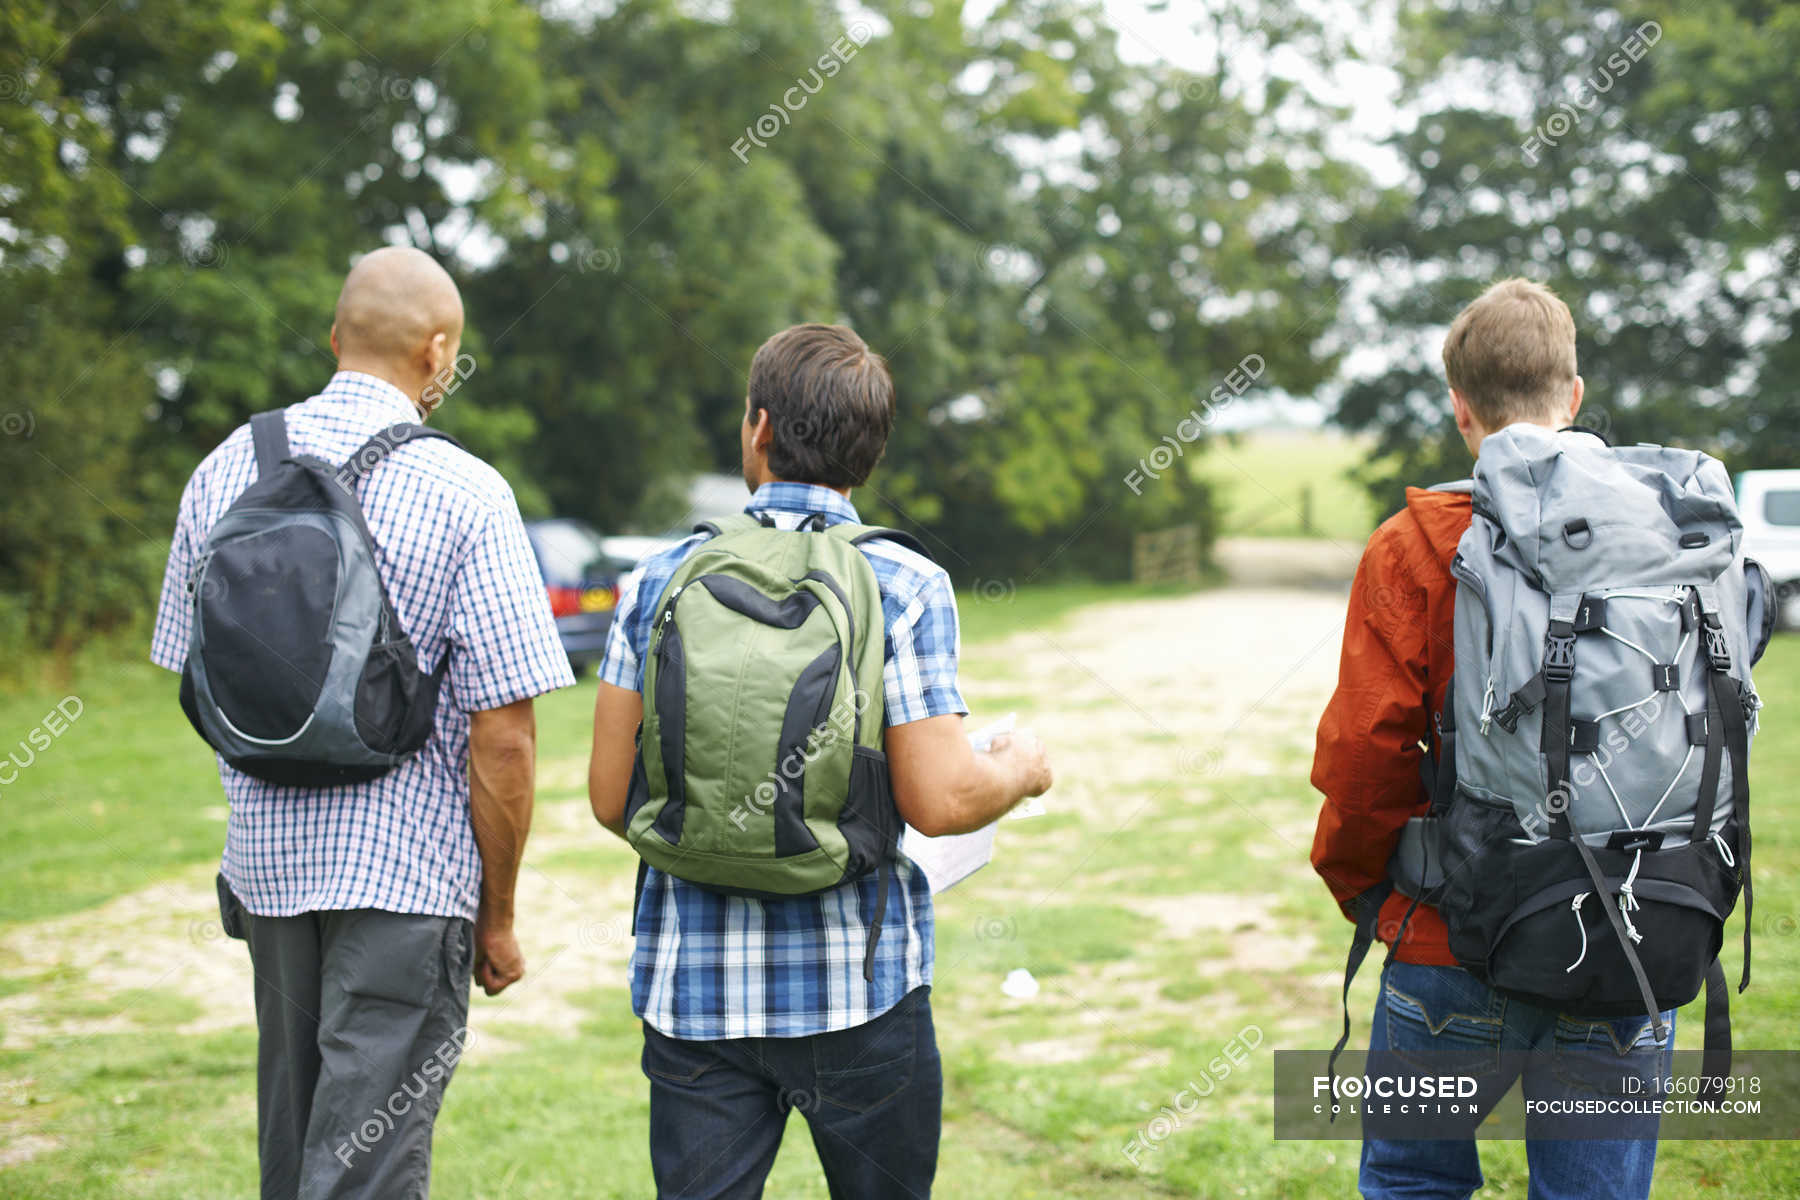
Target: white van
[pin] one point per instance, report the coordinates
(1769, 502)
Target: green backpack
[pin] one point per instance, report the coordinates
(759, 769)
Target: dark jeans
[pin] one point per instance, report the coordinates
(361, 1017)
(1443, 1019)
(872, 1096)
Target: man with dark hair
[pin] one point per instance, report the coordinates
(753, 1006)
(830, 399)
(1509, 358)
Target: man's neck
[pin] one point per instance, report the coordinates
(1554, 426)
(387, 375)
(842, 491)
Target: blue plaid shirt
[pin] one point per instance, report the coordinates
(708, 966)
(463, 580)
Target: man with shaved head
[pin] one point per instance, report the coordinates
(368, 906)
(400, 312)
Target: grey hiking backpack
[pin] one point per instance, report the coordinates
(1589, 822)
(298, 672)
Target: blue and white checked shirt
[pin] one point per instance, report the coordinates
(462, 579)
(708, 966)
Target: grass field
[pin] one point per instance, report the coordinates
(1289, 484)
(1163, 903)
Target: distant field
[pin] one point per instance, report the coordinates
(1289, 484)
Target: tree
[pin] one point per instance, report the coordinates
(1726, 102)
(1053, 316)
(1063, 254)
(1605, 154)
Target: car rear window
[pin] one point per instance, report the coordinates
(1782, 508)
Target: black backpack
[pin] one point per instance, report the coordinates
(298, 672)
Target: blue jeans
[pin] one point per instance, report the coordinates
(872, 1096)
(1461, 1024)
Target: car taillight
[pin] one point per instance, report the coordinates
(564, 601)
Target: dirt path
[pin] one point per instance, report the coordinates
(1220, 683)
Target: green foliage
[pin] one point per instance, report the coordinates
(1061, 252)
(83, 544)
(1649, 181)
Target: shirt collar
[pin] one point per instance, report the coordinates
(784, 496)
(359, 388)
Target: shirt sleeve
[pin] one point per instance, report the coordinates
(639, 595)
(1369, 744)
(621, 665)
(174, 611)
(504, 645)
(924, 641)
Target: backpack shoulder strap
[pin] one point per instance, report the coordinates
(1764, 607)
(1589, 430)
(1365, 909)
(856, 535)
(268, 432)
(369, 456)
(734, 523)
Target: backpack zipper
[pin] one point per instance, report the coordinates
(198, 573)
(1460, 571)
(667, 615)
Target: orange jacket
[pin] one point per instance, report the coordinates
(1399, 652)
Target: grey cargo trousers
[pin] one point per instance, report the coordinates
(361, 1018)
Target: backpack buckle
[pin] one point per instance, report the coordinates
(1718, 653)
(1508, 717)
(1528, 697)
(1559, 657)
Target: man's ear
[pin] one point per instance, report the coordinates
(1575, 401)
(1466, 424)
(436, 354)
(335, 352)
(762, 429)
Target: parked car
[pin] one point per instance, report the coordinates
(1769, 502)
(583, 583)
